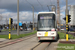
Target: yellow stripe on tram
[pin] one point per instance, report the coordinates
(46, 33)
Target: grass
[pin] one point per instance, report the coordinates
(63, 35)
(66, 46)
(62, 46)
(15, 36)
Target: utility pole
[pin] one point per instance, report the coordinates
(66, 20)
(17, 17)
(58, 14)
(33, 18)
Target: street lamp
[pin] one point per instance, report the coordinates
(33, 17)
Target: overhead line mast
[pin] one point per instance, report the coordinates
(58, 14)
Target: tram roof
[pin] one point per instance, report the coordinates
(45, 12)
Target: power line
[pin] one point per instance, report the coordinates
(51, 2)
(31, 5)
(54, 2)
(40, 4)
(48, 7)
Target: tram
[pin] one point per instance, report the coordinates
(46, 26)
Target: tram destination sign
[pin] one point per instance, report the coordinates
(45, 17)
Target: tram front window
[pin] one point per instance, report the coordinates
(46, 23)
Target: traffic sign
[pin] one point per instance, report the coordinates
(20, 24)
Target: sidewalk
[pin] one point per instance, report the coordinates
(2, 40)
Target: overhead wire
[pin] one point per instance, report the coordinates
(51, 2)
(48, 6)
(31, 5)
(55, 2)
(40, 4)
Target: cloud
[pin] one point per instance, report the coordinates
(23, 16)
(3, 10)
(62, 9)
(11, 5)
(8, 8)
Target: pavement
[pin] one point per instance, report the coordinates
(26, 44)
(3, 39)
(65, 40)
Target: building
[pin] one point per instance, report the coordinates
(72, 13)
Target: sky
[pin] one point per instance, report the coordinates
(8, 9)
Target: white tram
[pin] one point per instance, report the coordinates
(46, 26)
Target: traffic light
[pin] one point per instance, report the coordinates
(69, 18)
(11, 21)
(64, 18)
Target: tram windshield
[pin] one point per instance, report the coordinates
(46, 21)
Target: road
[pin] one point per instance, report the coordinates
(30, 43)
(14, 32)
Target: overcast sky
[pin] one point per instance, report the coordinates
(8, 8)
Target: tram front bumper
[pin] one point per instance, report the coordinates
(47, 38)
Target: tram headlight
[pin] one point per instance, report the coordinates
(39, 33)
(52, 33)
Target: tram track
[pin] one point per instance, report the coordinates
(41, 46)
(47, 46)
(36, 46)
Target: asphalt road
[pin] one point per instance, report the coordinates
(14, 32)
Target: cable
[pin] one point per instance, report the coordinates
(51, 2)
(54, 2)
(48, 7)
(40, 4)
(31, 5)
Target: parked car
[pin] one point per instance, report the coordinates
(28, 28)
(71, 29)
(62, 29)
(21, 29)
